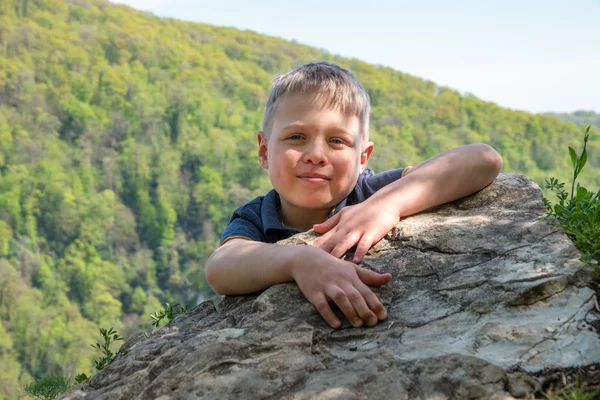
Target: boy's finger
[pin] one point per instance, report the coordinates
(341, 300)
(322, 243)
(373, 302)
(360, 306)
(372, 278)
(327, 242)
(327, 225)
(344, 244)
(322, 306)
(361, 249)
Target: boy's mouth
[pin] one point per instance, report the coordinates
(313, 177)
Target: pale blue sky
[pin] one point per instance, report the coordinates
(530, 55)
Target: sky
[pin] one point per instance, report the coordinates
(530, 55)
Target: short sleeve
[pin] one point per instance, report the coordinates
(239, 227)
(246, 223)
(369, 182)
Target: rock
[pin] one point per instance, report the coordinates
(521, 385)
(480, 286)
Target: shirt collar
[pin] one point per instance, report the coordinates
(272, 226)
(271, 221)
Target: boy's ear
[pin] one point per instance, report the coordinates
(262, 149)
(365, 155)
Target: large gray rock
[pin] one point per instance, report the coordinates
(480, 286)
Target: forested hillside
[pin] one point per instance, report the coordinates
(127, 140)
(581, 118)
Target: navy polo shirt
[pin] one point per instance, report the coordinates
(259, 219)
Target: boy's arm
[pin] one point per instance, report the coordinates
(446, 177)
(242, 266)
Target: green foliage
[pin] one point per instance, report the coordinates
(109, 336)
(578, 213)
(49, 387)
(581, 118)
(79, 378)
(5, 237)
(574, 392)
(171, 311)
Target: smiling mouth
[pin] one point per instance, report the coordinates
(314, 178)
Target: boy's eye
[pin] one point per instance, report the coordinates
(295, 136)
(337, 141)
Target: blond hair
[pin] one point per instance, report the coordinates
(333, 87)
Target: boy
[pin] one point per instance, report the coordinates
(315, 146)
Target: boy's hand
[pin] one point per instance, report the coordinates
(362, 224)
(323, 278)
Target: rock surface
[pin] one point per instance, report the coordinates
(480, 286)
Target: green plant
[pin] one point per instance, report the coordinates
(578, 213)
(109, 336)
(51, 386)
(574, 393)
(170, 312)
(81, 378)
(48, 387)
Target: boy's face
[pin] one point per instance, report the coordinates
(313, 155)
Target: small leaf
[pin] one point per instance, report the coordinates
(581, 191)
(573, 156)
(582, 160)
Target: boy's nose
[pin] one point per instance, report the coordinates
(315, 154)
